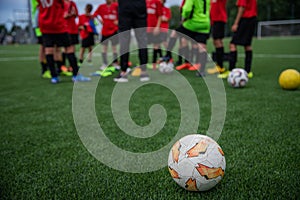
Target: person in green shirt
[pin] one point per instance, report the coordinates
(195, 27)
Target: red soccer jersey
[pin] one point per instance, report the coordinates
(165, 24)
(154, 10)
(218, 11)
(109, 15)
(85, 20)
(250, 7)
(71, 8)
(51, 17)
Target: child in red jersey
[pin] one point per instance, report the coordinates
(154, 14)
(218, 19)
(53, 26)
(164, 26)
(243, 31)
(70, 15)
(108, 13)
(42, 57)
(86, 31)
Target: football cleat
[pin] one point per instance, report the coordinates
(101, 73)
(184, 66)
(216, 69)
(54, 80)
(224, 74)
(136, 72)
(250, 75)
(47, 74)
(66, 73)
(80, 78)
(195, 67)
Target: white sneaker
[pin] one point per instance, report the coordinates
(144, 77)
(121, 78)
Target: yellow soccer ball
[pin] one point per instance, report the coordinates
(289, 79)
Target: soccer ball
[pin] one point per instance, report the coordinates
(196, 162)
(166, 67)
(238, 78)
(289, 79)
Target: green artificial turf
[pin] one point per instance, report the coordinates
(42, 156)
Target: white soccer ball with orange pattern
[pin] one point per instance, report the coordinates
(196, 162)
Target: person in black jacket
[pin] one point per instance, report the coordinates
(132, 14)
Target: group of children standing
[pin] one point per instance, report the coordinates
(199, 18)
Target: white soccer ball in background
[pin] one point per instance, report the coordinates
(166, 67)
(196, 162)
(237, 78)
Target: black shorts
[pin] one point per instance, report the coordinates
(113, 38)
(89, 41)
(74, 39)
(198, 37)
(56, 39)
(218, 30)
(153, 39)
(40, 40)
(243, 35)
(163, 36)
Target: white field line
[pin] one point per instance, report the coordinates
(27, 58)
(30, 58)
(272, 55)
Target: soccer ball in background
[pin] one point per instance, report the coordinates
(289, 79)
(237, 78)
(196, 162)
(166, 67)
